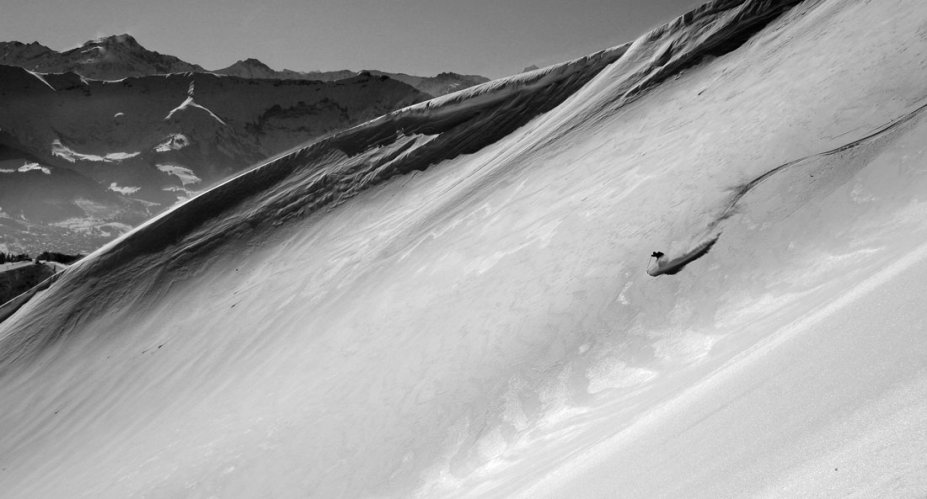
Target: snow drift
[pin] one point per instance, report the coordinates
(452, 300)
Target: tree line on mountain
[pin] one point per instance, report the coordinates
(11, 258)
(45, 256)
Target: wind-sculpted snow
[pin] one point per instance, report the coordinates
(452, 299)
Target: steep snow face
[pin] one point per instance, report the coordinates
(451, 300)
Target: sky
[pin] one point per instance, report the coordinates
(489, 37)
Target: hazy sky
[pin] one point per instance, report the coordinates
(488, 37)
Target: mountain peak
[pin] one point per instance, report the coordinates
(124, 40)
(252, 63)
(17, 44)
(23, 54)
(251, 68)
(116, 56)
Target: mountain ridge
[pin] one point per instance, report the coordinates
(120, 56)
(50, 114)
(105, 58)
(147, 141)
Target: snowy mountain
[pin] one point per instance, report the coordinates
(253, 68)
(106, 155)
(452, 299)
(124, 117)
(108, 58)
(438, 85)
(31, 55)
(121, 56)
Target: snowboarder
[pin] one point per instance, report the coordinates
(654, 266)
(664, 265)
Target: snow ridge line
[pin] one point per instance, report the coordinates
(730, 25)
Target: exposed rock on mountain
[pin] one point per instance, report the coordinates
(253, 68)
(146, 142)
(150, 129)
(121, 56)
(107, 58)
(443, 83)
(28, 55)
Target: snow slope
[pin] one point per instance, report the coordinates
(452, 300)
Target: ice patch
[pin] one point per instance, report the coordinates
(188, 103)
(123, 190)
(119, 156)
(41, 79)
(28, 167)
(186, 175)
(72, 156)
(183, 194)
(173, 142)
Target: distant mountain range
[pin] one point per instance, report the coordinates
(120, 56)
(96, 139)
(107, 58)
